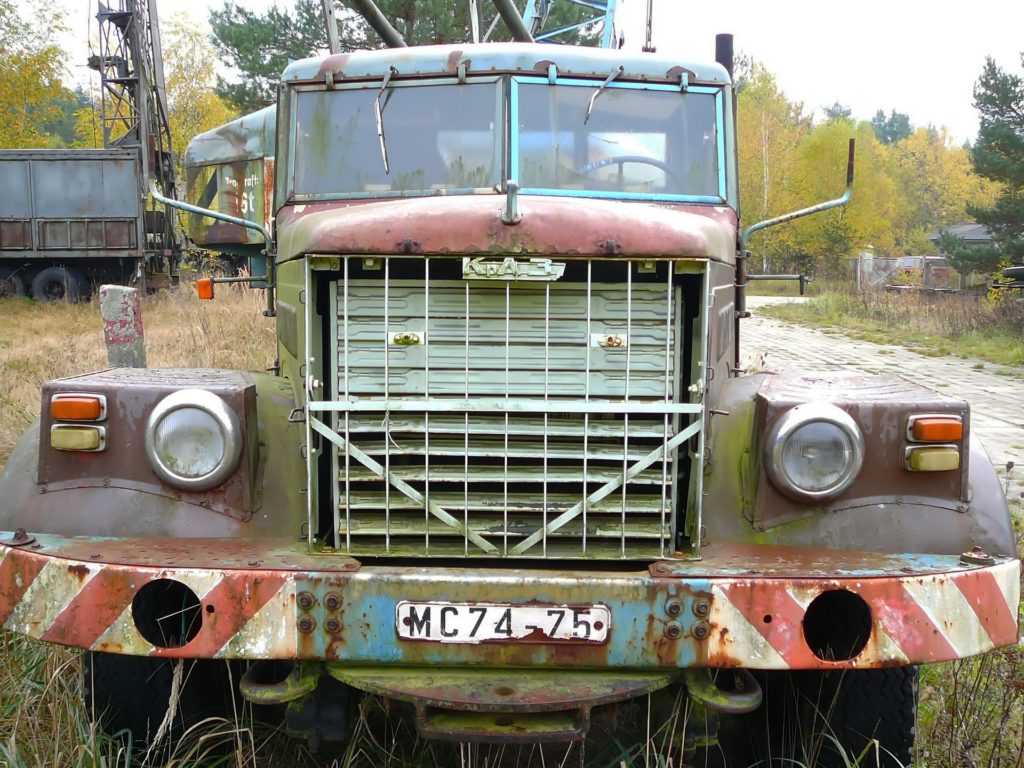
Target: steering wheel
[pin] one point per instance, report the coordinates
(621, 160)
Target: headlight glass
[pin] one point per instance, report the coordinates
(814, 452)
(189, 441)
(193, 440)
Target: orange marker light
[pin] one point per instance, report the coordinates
(77, 407)
(936, 429)
(205, 287)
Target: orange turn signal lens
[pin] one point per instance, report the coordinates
(204, 285)
(74, 407)
(936, 429)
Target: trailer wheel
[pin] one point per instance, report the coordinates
(11, 284)
(57, 284)
(129, 695)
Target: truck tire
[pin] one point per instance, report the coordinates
(57, 284)
(11, 284)
(866, 705)
(129, 695)
(1014, 273)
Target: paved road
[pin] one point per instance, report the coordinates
(997, 402)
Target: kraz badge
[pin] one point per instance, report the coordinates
(482, 268)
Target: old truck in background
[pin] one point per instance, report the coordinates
(72, 218)
(506, 468)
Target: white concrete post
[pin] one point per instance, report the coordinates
(121, 310)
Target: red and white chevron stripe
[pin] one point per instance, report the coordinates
(755, 623)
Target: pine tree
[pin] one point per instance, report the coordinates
(891, 129)
(998, 154)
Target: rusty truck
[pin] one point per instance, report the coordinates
(71, 218)
(507, 468)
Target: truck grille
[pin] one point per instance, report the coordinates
(480, 416)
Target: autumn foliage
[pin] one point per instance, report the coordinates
(904, 190)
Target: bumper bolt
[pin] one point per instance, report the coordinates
(673, 608)
(673, 630)
(332, 601)
(305, 601)
(332, 626)
(306, 624)
(701, 630)
(702, 607)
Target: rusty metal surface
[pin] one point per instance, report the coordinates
(116, 493)
(132, 394)
(288, 604)
(46, 214)
(571, 61)
(472, 224)
(501, 690)
(887, 509)
(230, 169)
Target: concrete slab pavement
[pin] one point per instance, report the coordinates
(997, 401)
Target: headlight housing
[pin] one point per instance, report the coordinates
(814, 452)
(193, 440)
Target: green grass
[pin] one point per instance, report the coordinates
(935, 326)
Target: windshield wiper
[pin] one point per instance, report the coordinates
(590, 107)
(379, 113)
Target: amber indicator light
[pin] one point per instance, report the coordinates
(67, 438)
(204, 286)
(939, 458)
(937, 429)
(76, 408)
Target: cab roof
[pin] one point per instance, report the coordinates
(571, 61)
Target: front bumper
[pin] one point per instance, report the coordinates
(739, 606)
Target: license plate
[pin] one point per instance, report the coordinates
(502, 622)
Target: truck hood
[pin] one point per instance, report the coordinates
(468, 224)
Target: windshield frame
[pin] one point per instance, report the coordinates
(681, 90)
(507, 113)
(501, 123)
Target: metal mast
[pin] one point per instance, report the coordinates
(134, 100)
(601, 11)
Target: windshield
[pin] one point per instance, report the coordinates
(428, 139)
(644, 142)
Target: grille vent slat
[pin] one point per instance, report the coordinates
(417, 331)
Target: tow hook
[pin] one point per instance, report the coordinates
(301, 681)
(743, 699)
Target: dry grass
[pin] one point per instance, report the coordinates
(934, 324)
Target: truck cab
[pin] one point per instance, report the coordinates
(507, 468)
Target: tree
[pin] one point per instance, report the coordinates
(192, 104)
(837, 111)
(30, 76)
(969, 259)
(893, 128)
(936, 186)
(998, 154)
(770, 131)
(259, 46)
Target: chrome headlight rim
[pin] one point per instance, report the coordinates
(231, 433)
(800, 416)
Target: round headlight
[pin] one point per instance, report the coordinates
(814, 452)
(193, 440)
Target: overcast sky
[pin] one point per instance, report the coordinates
(913, 56)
